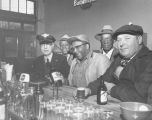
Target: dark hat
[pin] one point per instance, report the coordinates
(45, 38)
(128, 29)
(107, 29)
(81, 37)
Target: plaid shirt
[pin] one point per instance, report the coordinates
(79, 79)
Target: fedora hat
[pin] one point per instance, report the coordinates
(107, 29)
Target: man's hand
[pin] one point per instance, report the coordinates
(109, 85)
(87, 91)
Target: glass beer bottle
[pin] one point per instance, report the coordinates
(2, 105)
(102, 94)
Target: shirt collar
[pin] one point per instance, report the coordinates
(108, 54)
(48, 58)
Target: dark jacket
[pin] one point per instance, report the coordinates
(134, 80)
(40, 68)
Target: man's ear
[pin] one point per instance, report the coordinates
(87, 46)
(140, 39)
(53, 45)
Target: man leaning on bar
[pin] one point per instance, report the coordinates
(88, 65)
(129, 77)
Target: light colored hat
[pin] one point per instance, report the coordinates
(65, 37)
(107, 29)
(81, 37)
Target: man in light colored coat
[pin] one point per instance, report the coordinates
(88, 65)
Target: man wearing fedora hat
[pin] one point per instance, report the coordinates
(106, 40)
(49, 61)
(88, 65)
(130, 75)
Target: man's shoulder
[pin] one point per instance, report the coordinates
(59, 56)
(39, 58)
(99, 56)
(145, 53)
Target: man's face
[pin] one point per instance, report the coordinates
(106, 42)
(64, 45)
(80, 49)
(47, 49)
(128, 45)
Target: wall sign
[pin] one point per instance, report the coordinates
(81, 2)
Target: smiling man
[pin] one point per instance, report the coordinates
(106, 40)
(88, 65)
(130, 75)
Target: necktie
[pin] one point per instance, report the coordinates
(124, 62)
(47, 60)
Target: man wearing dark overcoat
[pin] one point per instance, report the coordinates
(130, 75)
(49, 61)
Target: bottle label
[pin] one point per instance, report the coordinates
(103, 96)
(57, 76)
(2, 111)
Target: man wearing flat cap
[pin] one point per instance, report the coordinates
(106, 40)
(128, 78)
(65, 48)
(49, 61)
(88, 65)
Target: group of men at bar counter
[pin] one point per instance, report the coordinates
(125, 67)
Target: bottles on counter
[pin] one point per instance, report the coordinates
(102, 94)
(2, 105)
(55, 76)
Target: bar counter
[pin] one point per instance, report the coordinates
(66, 92)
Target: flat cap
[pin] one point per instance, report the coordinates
(128, 29)
(81, 37)
(107, 29)
(65, 37)
(45, 38)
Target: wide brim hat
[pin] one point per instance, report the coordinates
(45, 38)
(81, 37)
(128, 29)
(107, 29)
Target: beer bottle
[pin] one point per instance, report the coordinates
(2, 105)
(102, 94)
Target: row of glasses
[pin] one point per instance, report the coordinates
(64, 109)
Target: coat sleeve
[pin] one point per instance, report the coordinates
(65, 68)
(138, 90)
(102, 65)
(107, 76)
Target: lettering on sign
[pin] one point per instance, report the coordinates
(81, 2)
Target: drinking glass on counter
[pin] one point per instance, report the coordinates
(64, 109)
